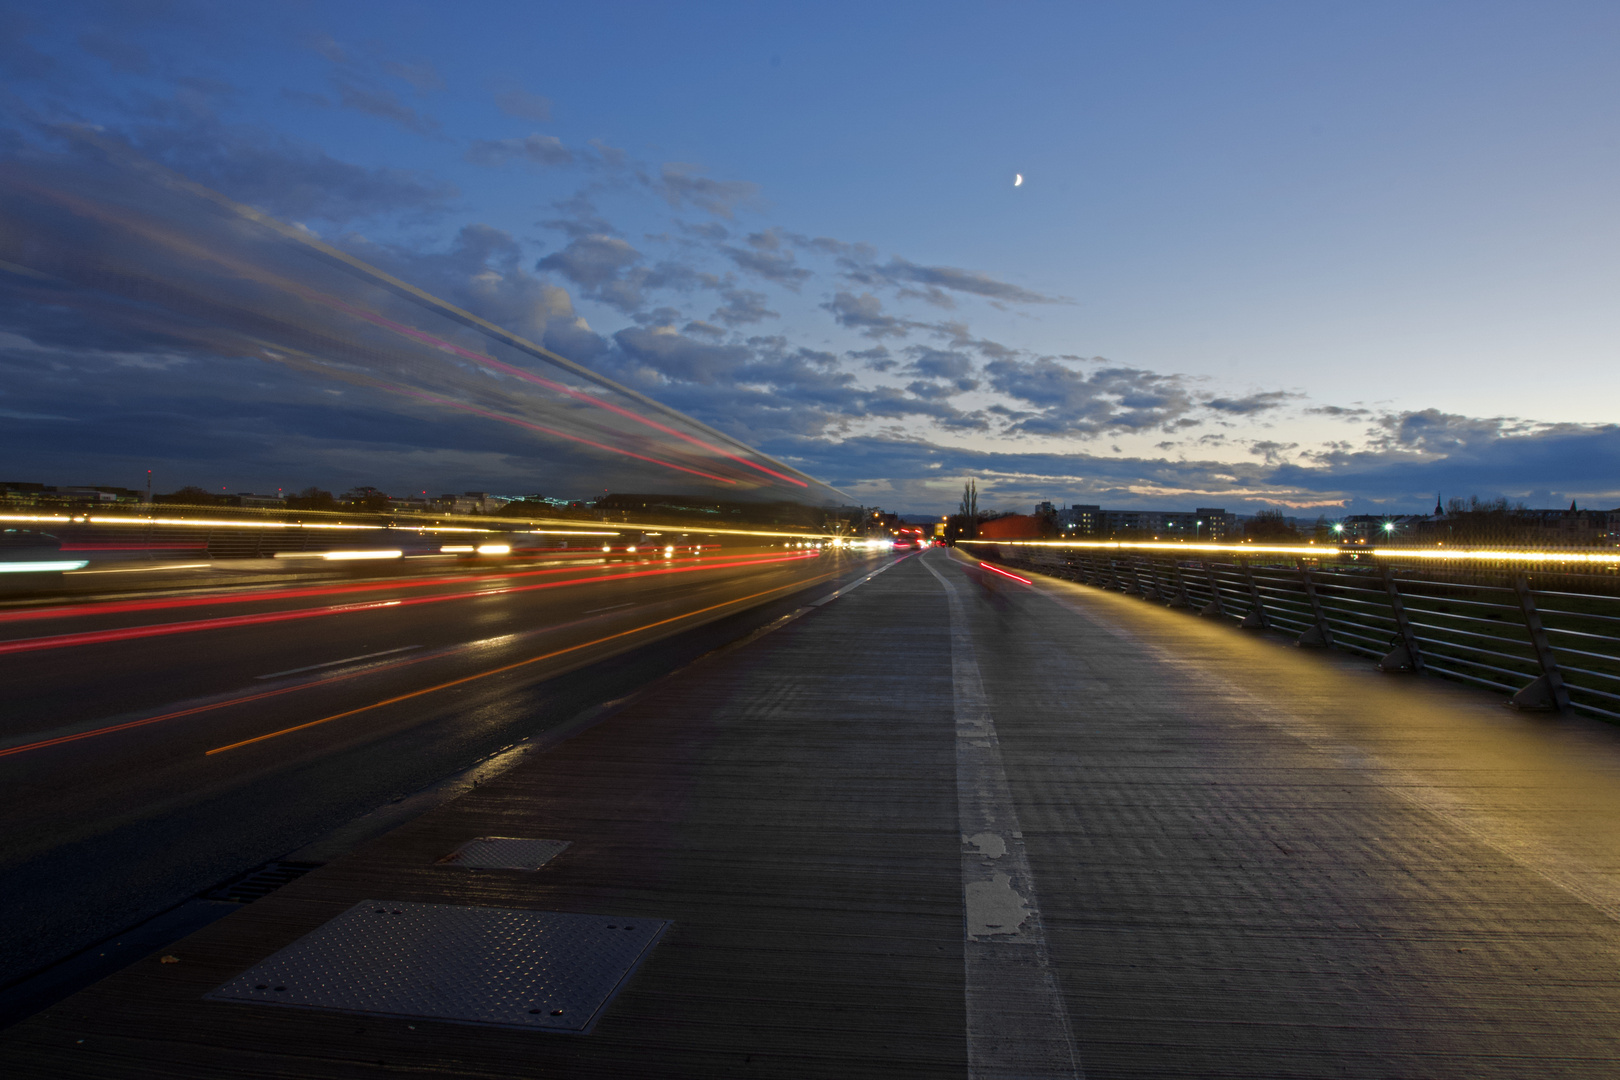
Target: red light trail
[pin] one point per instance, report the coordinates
(119, 606)
(96, 637)
(489, 361)
(327, 680)
(448, 403)
(509, 667)
(1003, 573)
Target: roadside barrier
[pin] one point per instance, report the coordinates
(1541, 627)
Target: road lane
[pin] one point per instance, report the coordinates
(105, 679)
(111, 807)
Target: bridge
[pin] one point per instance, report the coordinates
(944, 814)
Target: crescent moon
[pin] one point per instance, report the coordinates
(1018, 179)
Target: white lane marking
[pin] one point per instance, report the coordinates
(1017, 1021)
(335, 663)
(857, 583)
(610, 607)
(145, 569)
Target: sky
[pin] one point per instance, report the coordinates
(1328, 258)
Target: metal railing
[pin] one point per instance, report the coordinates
(1544, 633)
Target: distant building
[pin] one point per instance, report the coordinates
(1555, 527)
(20, 493)
(1200, 525)
(469, 502)
(1214, 524)
(1091, 520)
(1080, 520)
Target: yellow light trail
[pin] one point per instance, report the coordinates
(398, 526)
(1316, 551)
(514, 666)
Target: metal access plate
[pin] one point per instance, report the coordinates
(504, 853)
(469, 965)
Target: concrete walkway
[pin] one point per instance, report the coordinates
(950, 824)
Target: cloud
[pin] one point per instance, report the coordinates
(482, 271)
(1433, 431)
(917, 474)
(592, 261)
(543, 150)
(763, 386)
(1253, 403)
(712, 231)
(877, 358)
(961, 337)
(1274, 453)
(1415, 453)
(608, 156)
(357, 86)
(383, 104)
(325, 45)
(936, 391)
(741, 307)
(937, 281)
(419, 73)
(865, 314)
(581, 219)
(766, 256)
(288, 178)
(1073, 403)
(1339, 411)
(674, 356)
(515, 101)
(681, 184)
(938, 363)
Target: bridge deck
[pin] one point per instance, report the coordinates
(1236, 859)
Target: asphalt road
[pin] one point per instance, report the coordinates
(159, 740)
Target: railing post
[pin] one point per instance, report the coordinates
(1256, 618)
(1214, 607)
(1319, 636)
(1406, 656)
(1149, 591)
(1548, 691)
(1180, 600)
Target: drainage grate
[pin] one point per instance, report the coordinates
(260, 882)
(505, 853)
(527, 969)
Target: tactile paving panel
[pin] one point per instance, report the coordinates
(470, 965)
(504, 853)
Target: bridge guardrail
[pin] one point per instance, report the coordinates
(1543, 629)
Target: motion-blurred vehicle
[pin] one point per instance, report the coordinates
(28, 557)
(909, 540)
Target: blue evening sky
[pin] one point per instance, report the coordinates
(1325, 257)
